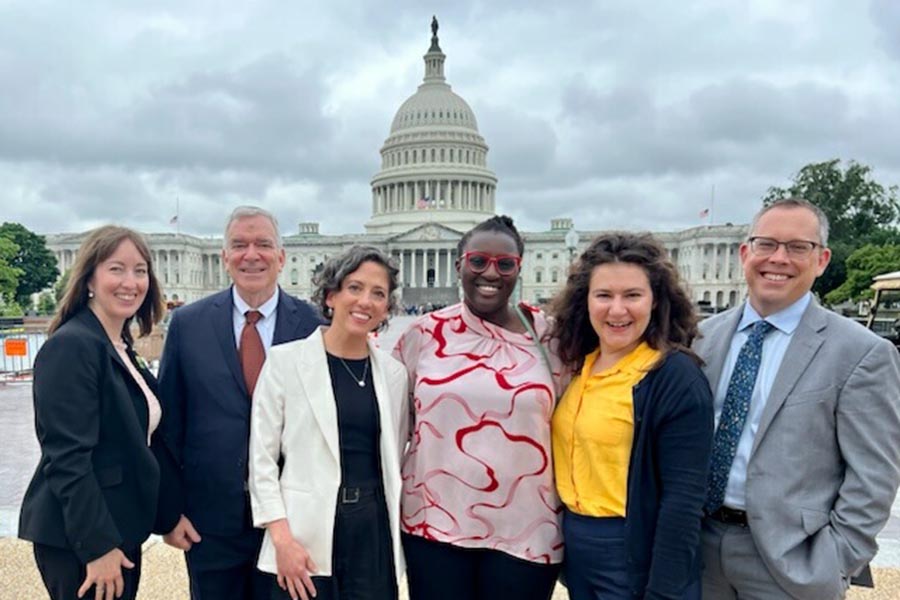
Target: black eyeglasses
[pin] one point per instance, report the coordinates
(766, 246)
(507, 264)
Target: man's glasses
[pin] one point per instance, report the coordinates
(479, 262)
(765, 246)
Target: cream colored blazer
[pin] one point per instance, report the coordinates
(294, 416)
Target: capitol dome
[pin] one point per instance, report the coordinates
(434, 162)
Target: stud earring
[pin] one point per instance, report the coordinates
(90, 294)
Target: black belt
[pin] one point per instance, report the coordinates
(729, 516)
(352, 495)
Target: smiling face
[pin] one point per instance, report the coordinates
(119, 285)
(361, 305)
(620, 303)
(777, 281)
(487, 293)
(252, 258)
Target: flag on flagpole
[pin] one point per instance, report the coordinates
(423, 202)
(173, 220)
(704, 213)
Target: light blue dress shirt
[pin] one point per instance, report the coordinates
(266, 324)
(774, 347)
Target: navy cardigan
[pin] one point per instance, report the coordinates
(667, 477)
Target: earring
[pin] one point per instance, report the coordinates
(329, 312)
(90, 294)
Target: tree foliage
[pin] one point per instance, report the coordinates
(33, 258)
(9, 275)
(860, 211)
(864, 264)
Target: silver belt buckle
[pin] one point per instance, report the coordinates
(349, 495)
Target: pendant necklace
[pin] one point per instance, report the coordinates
(359, 382)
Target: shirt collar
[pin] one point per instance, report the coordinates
(785, 320)
(266, 308)
(638, 360)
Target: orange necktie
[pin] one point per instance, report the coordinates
(252, 353)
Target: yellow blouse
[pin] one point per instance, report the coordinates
(593, 429)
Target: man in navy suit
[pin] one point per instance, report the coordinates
(206, 400)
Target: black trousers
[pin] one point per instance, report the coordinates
(224, 568)
(63, 573)
(437, 571)
(363, 558)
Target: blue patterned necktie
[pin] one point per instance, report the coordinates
(734, 414)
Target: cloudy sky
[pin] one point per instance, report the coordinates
(615, 113)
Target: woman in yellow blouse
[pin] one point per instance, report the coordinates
(633, 432)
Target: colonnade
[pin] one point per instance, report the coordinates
(441, 194)
(415, 265)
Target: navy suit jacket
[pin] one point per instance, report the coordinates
(206, 410)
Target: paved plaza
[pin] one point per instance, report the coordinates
(164, 576)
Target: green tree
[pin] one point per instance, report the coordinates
(34, 259)
(9, 275)
(864, 264)
(859, 209)
(46, 303)
(59, 288)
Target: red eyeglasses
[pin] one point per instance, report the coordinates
(479, 262)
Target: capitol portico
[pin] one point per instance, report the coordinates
(434, 184)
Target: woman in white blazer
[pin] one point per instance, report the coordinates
(328, 428)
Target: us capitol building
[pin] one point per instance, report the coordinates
(434, 184)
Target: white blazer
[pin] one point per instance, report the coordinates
(295, 417)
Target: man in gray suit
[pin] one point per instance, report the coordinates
(806, 458)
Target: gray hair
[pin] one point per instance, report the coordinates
(821, 217)
(245, 212)
(337, 268)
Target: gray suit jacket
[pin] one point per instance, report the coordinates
(825, 462)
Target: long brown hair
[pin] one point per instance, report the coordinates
(673, 321)
(99, 245)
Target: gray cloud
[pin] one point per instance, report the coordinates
(616, 114)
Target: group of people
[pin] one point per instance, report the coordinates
(614, 442)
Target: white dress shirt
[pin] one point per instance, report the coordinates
(266, 324)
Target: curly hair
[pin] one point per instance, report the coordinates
(337, 268)
(498, 223)
(673, 321)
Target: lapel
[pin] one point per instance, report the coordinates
(135, 395)
(716, 348)
(382, 401)
(800, 352)
(286, 319)
(312, 369)
(222, 316)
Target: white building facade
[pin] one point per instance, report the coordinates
(434, 185)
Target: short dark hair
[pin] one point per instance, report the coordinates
(673, 321)
(498, 223)
(337, 268)
(99, 245)
(821, 217)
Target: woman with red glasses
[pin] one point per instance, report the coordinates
(480, 516)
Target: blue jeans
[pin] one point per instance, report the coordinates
(595, 566)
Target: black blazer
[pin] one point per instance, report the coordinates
(206, 410)
(95, 487)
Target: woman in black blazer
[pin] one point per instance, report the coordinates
(93, 497)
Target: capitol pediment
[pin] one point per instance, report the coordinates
(428, 232)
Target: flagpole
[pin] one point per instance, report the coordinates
(177, 215)
(712, 204)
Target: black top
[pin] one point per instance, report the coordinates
(358, 431)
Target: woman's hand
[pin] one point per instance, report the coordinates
(106, 574)
(293, 562)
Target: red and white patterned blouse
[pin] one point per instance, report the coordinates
(479, 470)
